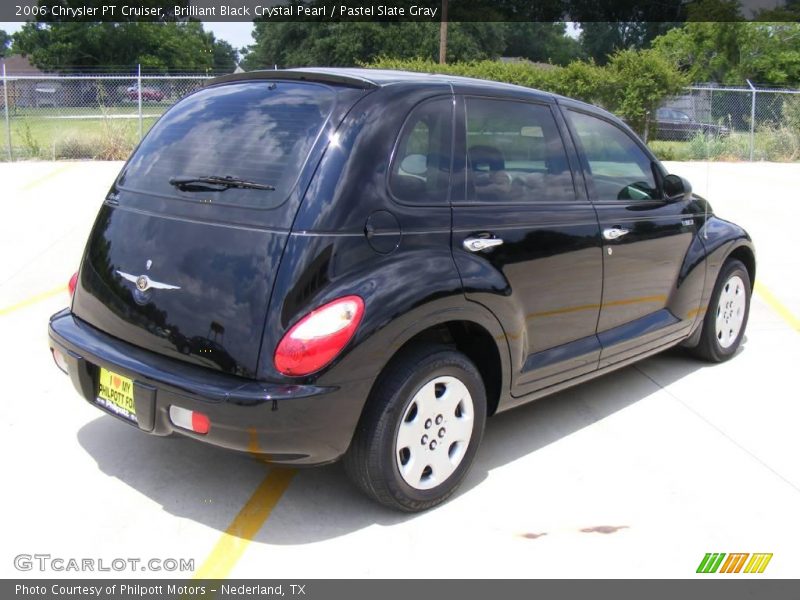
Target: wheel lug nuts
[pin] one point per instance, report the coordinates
(433, 445)
(428, 424)
(441, 432)
(439, 419)
(424, 440)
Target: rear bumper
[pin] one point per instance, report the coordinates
(289, 424)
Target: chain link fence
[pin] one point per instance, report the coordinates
(94, 116)
(728, 123)
(98, 117)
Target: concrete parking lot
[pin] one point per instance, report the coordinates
(637, 474)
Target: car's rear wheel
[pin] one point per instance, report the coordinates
(420, 429)
(726, 319)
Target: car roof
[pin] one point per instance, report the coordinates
(382, 78)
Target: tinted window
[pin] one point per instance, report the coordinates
(258, 131)
(515, 153)
(620, 170)
(421, 168)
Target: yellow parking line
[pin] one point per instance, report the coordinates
(779, 307)
(46, 177)
(244, 527)
(33, 300)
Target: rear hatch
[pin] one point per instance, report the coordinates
(185, 269)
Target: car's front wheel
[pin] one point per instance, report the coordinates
(420, 429)
(726, 318)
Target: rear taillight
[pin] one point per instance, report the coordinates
(317, 338)
(73, 283)
(189, 419)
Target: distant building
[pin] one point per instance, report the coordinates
(24, 92)
(16, 64)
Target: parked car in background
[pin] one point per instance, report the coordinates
(322, 264)
(675, 125)
(148, 94)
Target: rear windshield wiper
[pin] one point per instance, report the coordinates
(188, 182)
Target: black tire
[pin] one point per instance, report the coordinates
(372, 462)
(709, 347)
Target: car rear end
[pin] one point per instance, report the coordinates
(169, 306)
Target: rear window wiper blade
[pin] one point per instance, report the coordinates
(227, 181)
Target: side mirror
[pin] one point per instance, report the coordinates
(676, 188)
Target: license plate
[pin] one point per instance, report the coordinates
(115, 393)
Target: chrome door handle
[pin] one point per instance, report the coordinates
(478, 244)
(615, 232)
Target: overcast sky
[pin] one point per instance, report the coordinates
(236, 34)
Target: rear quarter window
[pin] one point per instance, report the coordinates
(259, 131)
(420, 171)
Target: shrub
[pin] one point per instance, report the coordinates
(791, 111)
(670, 150)
(76, 147)
(777, 143)
(633, 83)
(31, 146)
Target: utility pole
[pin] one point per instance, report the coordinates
(443, 35)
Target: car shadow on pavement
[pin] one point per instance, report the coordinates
(210, 485)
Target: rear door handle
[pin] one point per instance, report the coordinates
(612, 233)
(478, 244)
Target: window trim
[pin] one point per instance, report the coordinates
(396, 146)
(564, 143)
(655, 165)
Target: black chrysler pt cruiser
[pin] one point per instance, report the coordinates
(319, 264)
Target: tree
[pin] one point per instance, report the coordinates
(607, 27)
(294, 44)
(704, 51)
(733, 52)
(600, 40)
(163, 46)
(790, 11)
(224, 56)
(771, 54)
(5, 43)
(643, 78)
(541, 42)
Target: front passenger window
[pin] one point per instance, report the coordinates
(620, 170)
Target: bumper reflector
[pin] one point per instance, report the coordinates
(61, 361)
(189, 419)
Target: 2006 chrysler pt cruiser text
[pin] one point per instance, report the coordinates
(317, 264)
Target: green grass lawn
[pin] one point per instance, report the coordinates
(58, 113)
(771, 143)
(39, 136)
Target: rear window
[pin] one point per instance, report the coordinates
(255, 131)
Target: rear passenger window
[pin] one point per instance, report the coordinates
(620, 169)
(515, 153)
(420, 171)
